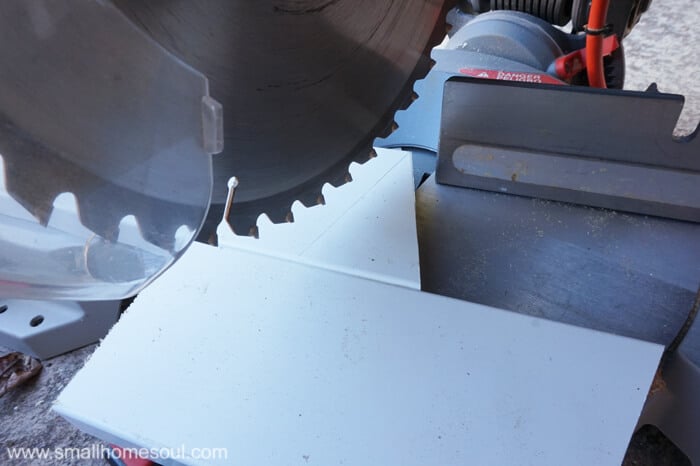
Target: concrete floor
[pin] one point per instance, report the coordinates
(26, 419)
(663, 49)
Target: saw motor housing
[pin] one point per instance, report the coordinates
(622, 16)
(525, 41)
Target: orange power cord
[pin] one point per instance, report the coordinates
(594, 43)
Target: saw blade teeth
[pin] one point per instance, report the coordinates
(39, 201)
(244, 215)
(100, 205)
(321, 200)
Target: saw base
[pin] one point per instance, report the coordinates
(45, 329)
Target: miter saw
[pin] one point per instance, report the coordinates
(123, 123)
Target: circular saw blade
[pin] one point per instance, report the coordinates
(306, 86)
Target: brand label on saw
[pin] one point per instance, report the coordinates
(518, 76)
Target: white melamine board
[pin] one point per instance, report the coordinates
(287, 364)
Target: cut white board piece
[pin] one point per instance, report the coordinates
(281, 363)
(366, 228)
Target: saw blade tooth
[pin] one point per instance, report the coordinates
(363, 157)
(406, 101)
(157, 230)
(340, 179)
(41, 204)
(254, 232)
(387, 130)
(280, 215)
(35, 198)
(311, 198)
(104, 223)
(242, 222)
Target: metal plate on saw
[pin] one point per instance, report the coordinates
(627, 274)
(306, 86)
(606, 148)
